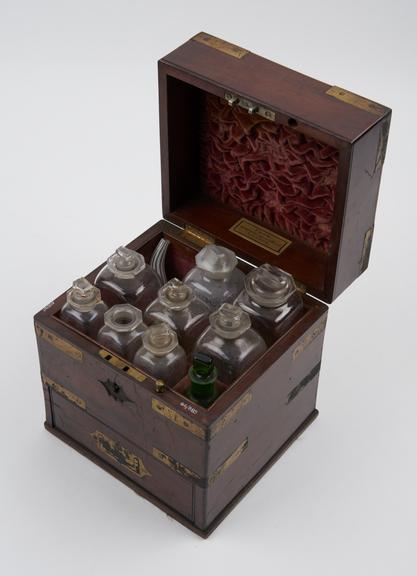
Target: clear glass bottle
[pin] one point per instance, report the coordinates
(160, 355)
(231, 342)
(178, 306)
(216, 279)
(203, 377)
(271, 299)
(123, 329)
(127, 278)
(84, 308)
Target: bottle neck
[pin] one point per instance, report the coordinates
(202, 386)
(210, 277)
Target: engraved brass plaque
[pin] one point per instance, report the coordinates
(231, 414)
(177, 418)
(221, 45)
(118, 363)
(355, 100)
(173, 464)
(59, 343)
(228, 462)
(308, 339)
(257, 234)
(120, 454)
(64, 392)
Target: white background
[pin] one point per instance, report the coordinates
(80, 175)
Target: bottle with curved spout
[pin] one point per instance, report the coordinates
(84, 309)
(231, 342)
(127, 278)
(216, 278)
(271, 299)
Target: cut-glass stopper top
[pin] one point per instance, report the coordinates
(176, 295)
(126, 263)
(230, 321)
(269, 286)
(218, 262)
(123, 318)
(83, 295)
(160, 339)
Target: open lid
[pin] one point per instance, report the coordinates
(275, 165)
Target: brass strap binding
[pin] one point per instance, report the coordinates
(173, 464)
(228, 462)
(178, 419)
(220, 45)
(230, 416)
(366, 250)
(71, 396)
(308, 339)
(59, 343)
(356, 100)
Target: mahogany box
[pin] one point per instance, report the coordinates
(280, 168)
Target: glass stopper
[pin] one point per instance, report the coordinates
(218, 262)
(83, 295)
(230, 321)
(160, 339)
(269, 286)
(126, 263)
(176, 295)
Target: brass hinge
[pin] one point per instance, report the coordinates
(251, 107)
(197, 236)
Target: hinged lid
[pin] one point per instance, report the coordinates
(273, 164)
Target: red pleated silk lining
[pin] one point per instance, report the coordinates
(269, 171)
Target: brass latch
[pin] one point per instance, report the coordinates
(251, 107)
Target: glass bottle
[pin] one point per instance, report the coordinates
(271, 299)
(127, 278)
(178, 306)
(123, 329)
(231, 342)
(203, 377)
(84, 308)
(215, 279)
(160, 355)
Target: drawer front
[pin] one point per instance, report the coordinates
(175, 490)
(110, 395)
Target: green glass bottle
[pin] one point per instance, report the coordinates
(203, 377)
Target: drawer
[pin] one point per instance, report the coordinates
(144, 469)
